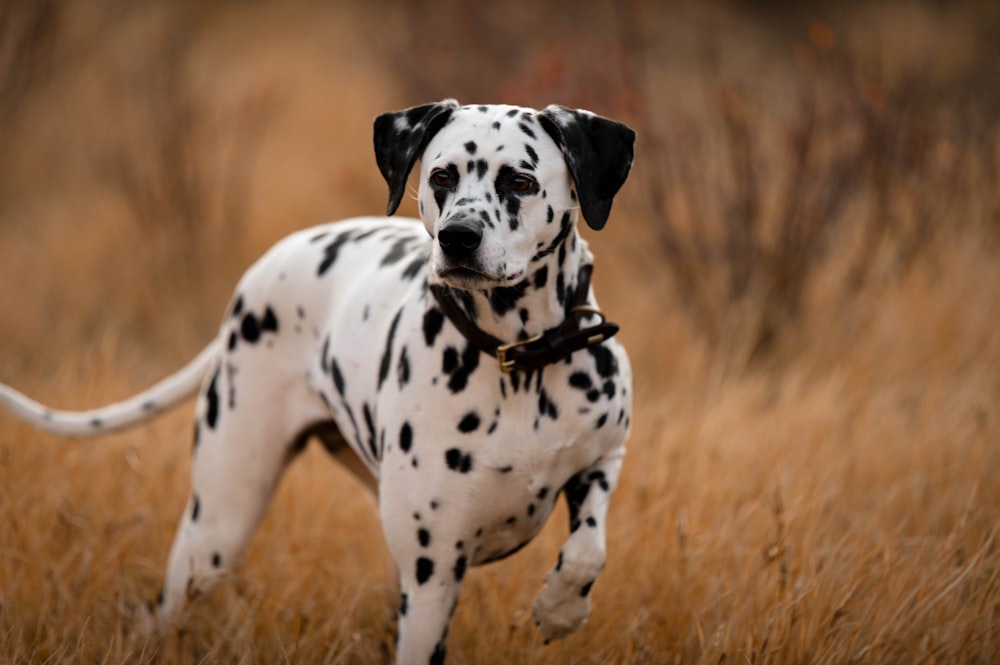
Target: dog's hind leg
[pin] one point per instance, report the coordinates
(241, 448)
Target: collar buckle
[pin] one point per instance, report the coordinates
(507, 365)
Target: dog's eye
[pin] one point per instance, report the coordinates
(441, 178)
(522, 183)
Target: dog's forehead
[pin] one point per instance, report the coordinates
(484, 130)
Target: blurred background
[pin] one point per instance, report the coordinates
(804, 262)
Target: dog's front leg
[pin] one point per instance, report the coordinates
(425, 615)
(431, 561)
(564, 602)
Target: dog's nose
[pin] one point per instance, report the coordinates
(459, 240)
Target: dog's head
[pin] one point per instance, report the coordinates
(500, 186)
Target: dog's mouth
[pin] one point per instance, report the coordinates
(463, 277)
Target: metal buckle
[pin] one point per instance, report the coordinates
(506, 365)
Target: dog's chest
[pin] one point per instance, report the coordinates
(524, 464)
(490, 453)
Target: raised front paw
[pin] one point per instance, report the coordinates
(561, 609)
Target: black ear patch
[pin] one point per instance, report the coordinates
(400, 138)
(598, 153)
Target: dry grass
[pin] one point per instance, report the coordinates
(831, 496)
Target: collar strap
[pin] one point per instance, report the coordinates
(550, 347)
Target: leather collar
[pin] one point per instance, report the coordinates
(552, 346)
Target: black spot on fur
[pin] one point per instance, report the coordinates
(469, 423)
(458, 461)
(403, 369)
(449, 360)
(437, 658)
(576, 490)
(424, 537)
(462, 368)
(433, 321)
(217, 560)
(460, 568)
(515, 381)
(233, 337)
(270, 322)
(600, 479)
(600, 421)
(605, 361)
(250, 328)
(403, 605)
(405, 437)
(425, 568)
(237, 306)
(585, 590)
(541, 277)
(558, 242)
(331, 251)
(196, 509)
(212, 401)
(513, 208)
(580, 381)
(542, 493)
(546, 407)
(591, 522)
(338, 378)
(414, 267)
(470, 147)
(370, 424)
(609, 389)
(504, 298)
(383, 370)
(532, 155)
(399, 249)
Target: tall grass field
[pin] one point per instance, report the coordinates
(805, 264)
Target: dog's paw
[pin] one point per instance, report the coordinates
(560, 610)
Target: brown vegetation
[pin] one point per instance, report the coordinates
(804, 264)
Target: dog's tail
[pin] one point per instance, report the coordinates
(167, 393)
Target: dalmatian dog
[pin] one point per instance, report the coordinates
(457, 364)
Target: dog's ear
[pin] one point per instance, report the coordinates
(400, 138)
(598, 153)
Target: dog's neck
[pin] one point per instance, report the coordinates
(540, 302)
